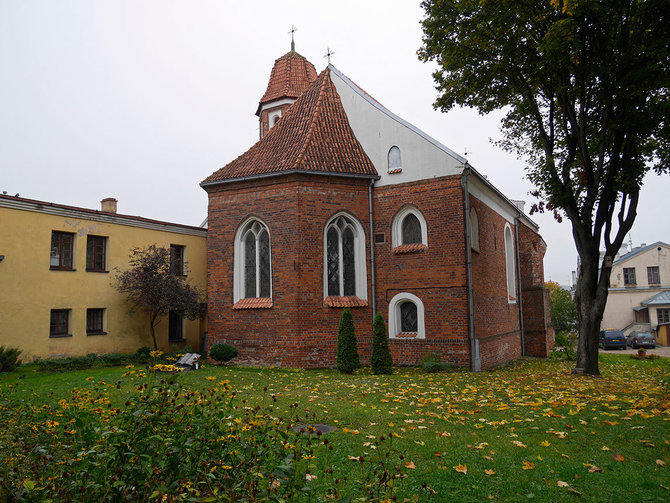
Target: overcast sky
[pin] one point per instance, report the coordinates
(141, 100)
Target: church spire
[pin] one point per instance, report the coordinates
(292, 31)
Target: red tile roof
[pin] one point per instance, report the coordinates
(410, 248)
(351, 301)
(254, 303)
(291, 76)
(313, 135)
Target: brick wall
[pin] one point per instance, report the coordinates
(496, 320)
(539, 334)
(435, 275)
(298, 331)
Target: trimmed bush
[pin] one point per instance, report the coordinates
(381, 361)
(223, 352)
(143, 354)
(9, 359)
(347, 348)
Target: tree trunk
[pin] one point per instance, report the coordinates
(153, 330)
(591, 299)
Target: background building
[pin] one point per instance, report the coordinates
(56, 267)
(639, 293)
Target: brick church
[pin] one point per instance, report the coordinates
(341, 203)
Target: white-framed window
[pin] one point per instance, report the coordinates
(409, 227)
(344, 271)
(509, 265)
(406, 317)
(252, 275)
(394, 160)
(474, 230)
(273, 118)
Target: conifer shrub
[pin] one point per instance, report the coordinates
(223, 352)
(9, 359)
(381, 361)
(347, 348)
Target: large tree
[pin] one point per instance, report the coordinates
(584, 84)
(151, 285)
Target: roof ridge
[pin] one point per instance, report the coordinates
(315, 116)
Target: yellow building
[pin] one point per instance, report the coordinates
(57, 263)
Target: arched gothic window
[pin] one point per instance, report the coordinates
(509, 264)
(474, 230)
(252, 275)
(395, 160)
(406, 317)
(345, 273)
(409, 227)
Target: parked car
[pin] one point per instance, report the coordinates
(612, 339)
(641, 340)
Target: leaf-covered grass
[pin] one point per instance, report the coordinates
(530, 431)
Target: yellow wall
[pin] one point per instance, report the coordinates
(29, 290)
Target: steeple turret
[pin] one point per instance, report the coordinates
(291, 76)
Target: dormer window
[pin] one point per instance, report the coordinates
(395, 160)
(273, 119)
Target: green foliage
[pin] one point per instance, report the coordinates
(584, 85)
(432, 363)
(143, 354)
(171, 442)
(564, 347)
(223, 352)
(91, 360)
(381, 360)
(9, 359)
(563, 308)
(347, 348)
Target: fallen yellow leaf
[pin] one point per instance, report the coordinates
(660, 462)
(544, 443)
(410, 465)
(560, 483)
(617, 457)
(527, 465)
(489, 472)
(461, 468)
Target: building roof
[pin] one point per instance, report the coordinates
(313, 136)
(660, 298)
(22, 203)
(637, 251)
(291, 76)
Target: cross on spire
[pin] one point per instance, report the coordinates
(292, 31)
(328, 54)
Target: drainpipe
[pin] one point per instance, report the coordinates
(475, 358)
(518, 273)
(372, 251)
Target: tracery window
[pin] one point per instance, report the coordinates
(253, 277)
(345, 273)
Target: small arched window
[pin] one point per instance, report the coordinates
(252, 275)
(345, 273)
(409, 227)
(406, 317)
(273, 119)
(509, 264)
(474, 230)
(395, 160)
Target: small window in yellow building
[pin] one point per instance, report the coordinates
(96, 253)
(62, 246)
(95, 322)
(60, 323)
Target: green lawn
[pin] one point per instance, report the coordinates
(530, 431)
